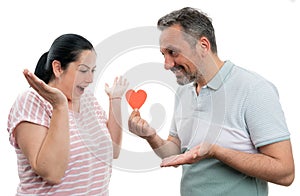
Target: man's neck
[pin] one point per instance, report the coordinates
(212, 69)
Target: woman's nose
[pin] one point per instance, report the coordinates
(90, 77)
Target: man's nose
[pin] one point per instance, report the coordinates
(169, 62)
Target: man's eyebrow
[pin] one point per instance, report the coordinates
(171, 47)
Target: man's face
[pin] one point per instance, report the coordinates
(180, 56)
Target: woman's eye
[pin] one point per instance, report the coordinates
(83, 70)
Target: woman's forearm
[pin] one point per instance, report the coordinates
(115, 125)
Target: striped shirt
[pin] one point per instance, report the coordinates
(89, 167)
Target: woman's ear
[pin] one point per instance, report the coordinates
(57, 70)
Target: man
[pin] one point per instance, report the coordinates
(228, 130)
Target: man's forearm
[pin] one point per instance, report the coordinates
(272, 169)
(163, 148)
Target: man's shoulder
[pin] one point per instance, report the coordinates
(247, 74)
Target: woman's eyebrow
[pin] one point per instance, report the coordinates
(87, 66)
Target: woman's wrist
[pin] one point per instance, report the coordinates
(115, 98)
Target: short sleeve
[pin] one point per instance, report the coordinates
(173, 128)
(264, 115)
(29, 107)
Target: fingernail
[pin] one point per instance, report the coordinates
(194, 156)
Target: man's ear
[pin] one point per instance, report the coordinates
(56, 67)
(204, 43)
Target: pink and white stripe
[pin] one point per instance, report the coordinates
(89, 168)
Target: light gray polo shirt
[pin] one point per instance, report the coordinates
(238, 109)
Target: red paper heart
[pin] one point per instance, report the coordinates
(136, 99)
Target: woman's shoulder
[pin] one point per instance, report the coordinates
(30, 95)
(29, 98)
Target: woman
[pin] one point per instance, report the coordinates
(62, 137)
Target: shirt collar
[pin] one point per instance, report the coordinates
(216, 82)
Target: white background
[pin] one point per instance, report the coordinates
(262, 36)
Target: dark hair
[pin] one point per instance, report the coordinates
(65, 49)
(193, 22)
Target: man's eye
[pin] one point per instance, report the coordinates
(173, 53)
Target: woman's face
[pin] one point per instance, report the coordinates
(78, 75)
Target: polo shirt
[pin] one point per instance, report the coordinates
(237, 109)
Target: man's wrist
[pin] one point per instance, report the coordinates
(150, 138)
(213, 151)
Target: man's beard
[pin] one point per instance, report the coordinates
(184, 78)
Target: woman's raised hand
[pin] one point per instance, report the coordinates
(53, 95)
